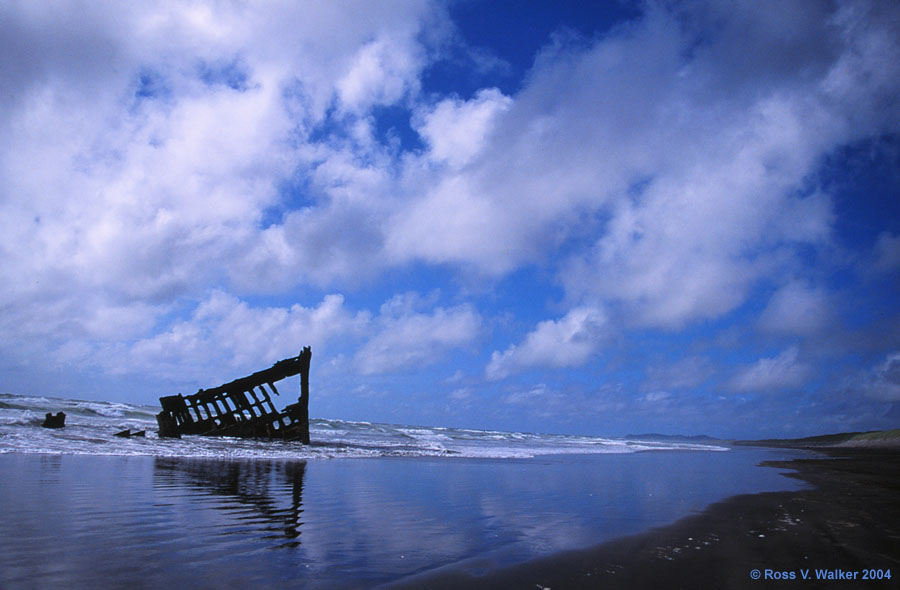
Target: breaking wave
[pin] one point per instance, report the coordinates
(91, 425)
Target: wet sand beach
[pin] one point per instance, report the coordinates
(140, 521)
(843, 533)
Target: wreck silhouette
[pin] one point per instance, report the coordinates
(242, 407)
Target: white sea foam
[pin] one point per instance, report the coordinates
(90, 429)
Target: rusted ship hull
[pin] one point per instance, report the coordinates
(242, 407)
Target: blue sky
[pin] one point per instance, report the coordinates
(598, 218)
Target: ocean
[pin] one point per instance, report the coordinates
(365, 505)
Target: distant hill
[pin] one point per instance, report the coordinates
(872, 438)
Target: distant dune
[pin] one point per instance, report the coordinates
(872, 439)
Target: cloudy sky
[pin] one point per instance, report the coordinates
(594, 217)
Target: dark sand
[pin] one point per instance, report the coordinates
(850, 521)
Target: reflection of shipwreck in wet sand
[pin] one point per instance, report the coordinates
(242, 407)
(269, 494)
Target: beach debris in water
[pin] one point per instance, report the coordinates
(242, 407)
(57, 421)
(128, 434)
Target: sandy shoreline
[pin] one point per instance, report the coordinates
(847, 526)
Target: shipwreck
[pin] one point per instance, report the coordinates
(242, 407)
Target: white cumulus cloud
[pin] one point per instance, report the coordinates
(797, 309)
(229, 335)
(781, 372)
(455, 130)
(568, 342)
(406, 337)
